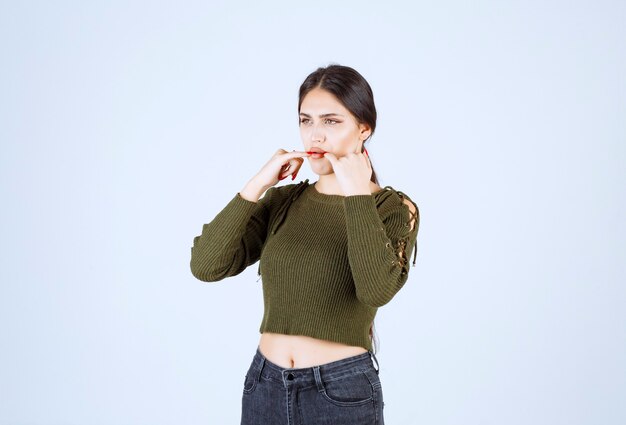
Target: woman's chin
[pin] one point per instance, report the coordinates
(321, 169)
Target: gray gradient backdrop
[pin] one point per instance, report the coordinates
(125, 126)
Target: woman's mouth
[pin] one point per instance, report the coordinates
(316, 155)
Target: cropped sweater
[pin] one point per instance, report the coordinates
(327, 262)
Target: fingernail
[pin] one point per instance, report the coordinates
(365, 149)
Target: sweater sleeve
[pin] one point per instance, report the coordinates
(379, 246)
(232, 240)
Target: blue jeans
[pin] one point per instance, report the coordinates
(346, 391)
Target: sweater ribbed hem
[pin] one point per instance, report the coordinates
(355, 339)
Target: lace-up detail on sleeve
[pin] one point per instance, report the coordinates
(382, 232)
(411, 227)
(412, 224)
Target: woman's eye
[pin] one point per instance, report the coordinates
(306, 120)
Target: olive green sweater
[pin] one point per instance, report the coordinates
(327, 262)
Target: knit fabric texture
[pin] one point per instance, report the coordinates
(327, 262)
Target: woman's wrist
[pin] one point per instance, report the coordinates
(252, 191)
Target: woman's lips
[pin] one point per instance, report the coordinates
(316, 155)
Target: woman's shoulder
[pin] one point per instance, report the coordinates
(277, 195)
(391, 200)
(290, 189)
(390, 194)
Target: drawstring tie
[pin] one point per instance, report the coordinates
(282, 211)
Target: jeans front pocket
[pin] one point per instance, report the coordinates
(373, 377)
(249, 384)
(349, 390)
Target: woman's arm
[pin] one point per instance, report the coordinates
(235, 237)
(232, 240)
(379, 248)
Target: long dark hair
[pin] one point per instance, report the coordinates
(354, 92)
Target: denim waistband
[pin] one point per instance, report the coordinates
(311, 375)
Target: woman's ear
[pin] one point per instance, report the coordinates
(366, 130)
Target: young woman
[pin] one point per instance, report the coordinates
(330, 253)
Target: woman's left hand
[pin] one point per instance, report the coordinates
(353, 172)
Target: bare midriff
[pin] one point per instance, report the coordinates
(296, 351)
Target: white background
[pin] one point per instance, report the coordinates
(125, 126)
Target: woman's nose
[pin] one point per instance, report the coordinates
(317, 134)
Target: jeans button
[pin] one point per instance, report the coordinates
(290, 376)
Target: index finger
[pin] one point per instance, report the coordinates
(296, 154)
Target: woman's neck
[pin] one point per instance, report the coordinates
(328, 185)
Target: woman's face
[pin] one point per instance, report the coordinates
(325, 124)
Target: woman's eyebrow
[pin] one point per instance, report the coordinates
(322, 116)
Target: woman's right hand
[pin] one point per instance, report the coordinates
(281, 165)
